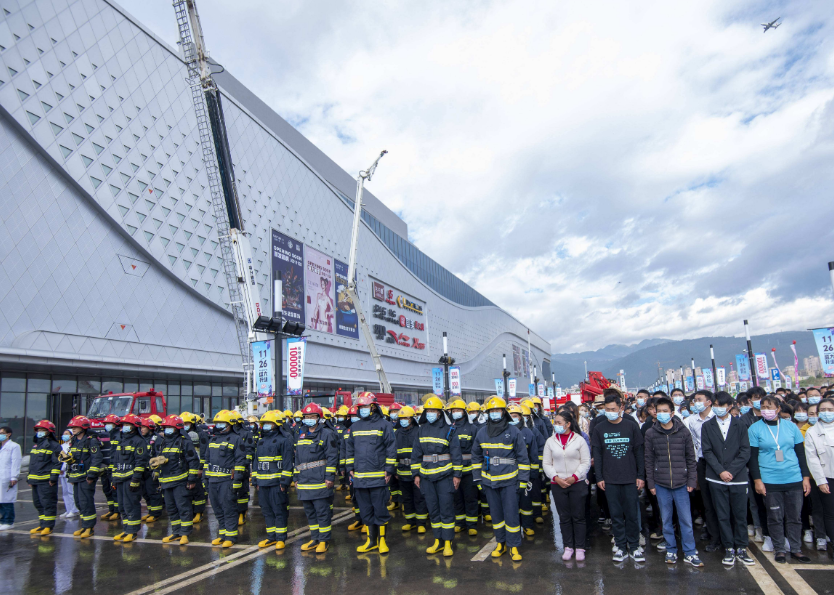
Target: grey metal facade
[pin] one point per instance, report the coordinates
(108, 245)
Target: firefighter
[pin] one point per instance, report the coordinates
(545, 428)
(199, 494)
(342, 424)
(151, 492)
(437, 466)
(414, 505)
(130, 462)
(272, 471)
(178, 466)
(520, 415)
(241, 485)
(466, 496)
(316, 458)
(539, 428)
(224, 465)
(371, 462)
(44, 471)
(84, 460)
(357, 523)
(475, 413)
(500, 463)
(113, 427)
(392, 414)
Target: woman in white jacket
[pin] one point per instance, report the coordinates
(567, 460)
(819, 453)
(9, 472)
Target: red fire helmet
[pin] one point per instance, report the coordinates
(45, 424)
(132, 419)
(79, 421)
(312, 408)
(173, 421)
(365, 399)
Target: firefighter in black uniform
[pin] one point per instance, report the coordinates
(475, 414)
(272, 471)
(44, 471)
(224, 465)
(316, 458)
(467, 501)
(130, 462)
(414, 505)
(393, 414)
(241, 485)
(84, 460)
(371, 462)
(198, 495)
(113, 427)
(520, 415)
(499, 461)
(178, 466)
(151, 492)
(357, 523)
(342, 423)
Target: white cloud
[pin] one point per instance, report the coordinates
(606, 172)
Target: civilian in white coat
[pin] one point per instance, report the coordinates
(10, 456)
(66, 486)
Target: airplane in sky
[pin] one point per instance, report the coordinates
(771, 25)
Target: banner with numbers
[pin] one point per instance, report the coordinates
(263, 358)
(824, 338)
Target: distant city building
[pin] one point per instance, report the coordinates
(732, 376)
(812, 365)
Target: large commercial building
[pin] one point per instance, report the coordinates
(111, 278)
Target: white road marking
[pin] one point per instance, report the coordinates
(485, 551)
(105, 538)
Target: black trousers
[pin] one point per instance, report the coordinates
(827, 503)
(537, 492)
(198, 497)
(730, 504)
(373, 505)
(466, 503)
(356, 516)
(45, 498)
(242, 492)
(84, 496)
(503, 508)
(622, 504)
(710, 518)
(440, 500)
(152, 495)
(319, 515)
(131, 507)
(109, 492)
(570, 504)
(275, 507)
(224, 505)
(394, 487)
(180, 513)
(414, 505)
(529, 504)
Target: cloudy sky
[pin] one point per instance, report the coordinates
(606, 171)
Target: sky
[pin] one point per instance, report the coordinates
(605, 171)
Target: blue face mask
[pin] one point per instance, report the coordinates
(757, 404)
(812, 420)
(814, 400)
(612, 415)
(496, 415)
(457, 414)
(126, 429)
(826, 416)
(431, 417)
(395, 416)
(744, 409)
(41, 434)
(405, 422)
(108, 427)
(719, 411)
(169, 431)
(310, 422)
(641, 402)
(66, 437)
(4, 437)
(677, 400)
(803, 399)
(354, 419)
(268, 427)
(341, 420)
(800, 416)
(514, 421)
(698, 407)
(685, 413)
(364, 412)
(560, 429)
(664, 417)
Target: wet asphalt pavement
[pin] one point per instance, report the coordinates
(61, 563)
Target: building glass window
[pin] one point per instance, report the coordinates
(64, 384)
(35, 411)
(202, 389)
(12, 411)
(216, 390)
(113, 385)
(216, 405)
(39, 383)
(185, 389)
(160, 386)
(89, 386)
(145, 386)
(173, 388)
(131, 385)
(173, 404)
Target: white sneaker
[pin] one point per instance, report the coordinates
(759, 537)
(73, 515)
(822, 545)
(787, 545)
(768, 545)
(808, 536)
(642, 540)
(751, 530)
(619, 556)
(6, 527)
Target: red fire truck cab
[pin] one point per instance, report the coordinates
(141, 404)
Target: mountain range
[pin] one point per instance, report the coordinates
(640, 361)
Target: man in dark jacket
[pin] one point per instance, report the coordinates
(44, 469)
(466, 496)
(726, 446)
(671, 473)
(178, 465)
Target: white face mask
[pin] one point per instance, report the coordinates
(473, 417)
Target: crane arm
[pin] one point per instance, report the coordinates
(369, 339)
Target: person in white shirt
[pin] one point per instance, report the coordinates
(66, 486)
(10, 457)
(701, 413)
(819, 452)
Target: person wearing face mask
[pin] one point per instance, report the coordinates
(44, 470)
(466, 496)
(522, 419)
(391, 414)
(224, 463)
(353, 417)
(701, 407)
(726, 449)
(678, 398)
(473, 413)
(437, 466)
(177, 464)
(272, 472)
(755, 395)
(66, 487)
(316, 459)
(478, 418)
(84, 465)
(199, 494)
(780, 474)
(130, 462)
(414, 505)
(113, 427)
(371, 461)
(500, 463)
(819, 452)
(241, 484)
(340, 425)
(541, 430)
(151, 492)
(10, 457)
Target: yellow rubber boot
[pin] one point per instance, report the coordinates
(473, 532)
(35, 531)
(458, 529)
(421, 529)
(145, 518)
(279, 545)
(516, 557)
(197, 518)
(498, 551)
(310, 545)
(105, 516)
(184, 540)
(355, 526)
(348, 497)
(170, 538)
(128, 538)
(121, 536)
(86, 533)
(487, 518)
(529, 532)
(365, 529)
(266, 542)
(407, 528)
(383, 547)
(78, 532)
(393, 506)
(150, 518)
(433, 549)
(228, 543)
(46, 531)
(217, 541)
(447, 549)
(241, 519)
(322, 547)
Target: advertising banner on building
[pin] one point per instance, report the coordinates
(761, 366)
(722, 376)
(699, 382)
(512, 387)
(708, 380)
(824, 338)
(288, 260)
(499, 387)
(743, 365)
(296, 349)
(437, 381)
(540, 389)
(347, 321)
(454, 381)
(263, 357)
(398, 319)
(531, 389)
(319, 291)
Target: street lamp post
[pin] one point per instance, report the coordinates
(753, 375)
(506, 376)
(714, 375)
(445, 361)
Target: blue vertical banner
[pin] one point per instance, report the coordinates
(678, 384)
(743, 367)
(824, 338)
(690, 384)
(531, 389)
(499, 387)
(437, 381)
(263, 357)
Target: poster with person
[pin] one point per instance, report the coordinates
(288, 261)
(319, 291)
(347, 321)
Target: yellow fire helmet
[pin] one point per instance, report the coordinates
(298, 415)
(515, 408)
(473, 407)
(384, 410)
(156, 419)
(426, 397)
(455, 404)
(252, 418)
(326, 413)
(287, 412)
(407, 412)
(188, 418)
(495, 402)
(525, 410)
(433, 402)
(272, 416)
(223, 415)
(343, 410)
(528, 403)
(418, 411)
(536, 400)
